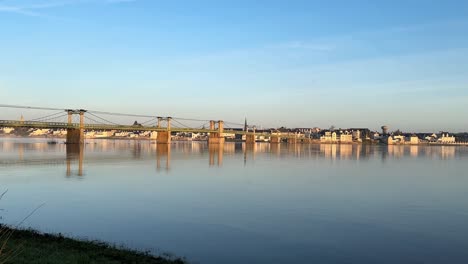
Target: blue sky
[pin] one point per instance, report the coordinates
(291, 63)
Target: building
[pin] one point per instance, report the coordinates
(328, 137)
(414, 140)
(8, 130)
(39, 132)
(346, 137)
(446, 138)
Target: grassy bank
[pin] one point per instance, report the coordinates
(27, 246)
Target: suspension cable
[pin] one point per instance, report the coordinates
(47, 116)
(105, 120)
(29, 107)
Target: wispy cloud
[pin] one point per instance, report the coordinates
(32, 8)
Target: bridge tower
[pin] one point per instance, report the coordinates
(293, 139)
(164, 136)
(75, 133)
(216, 137)
(250, 137)
(275, 138)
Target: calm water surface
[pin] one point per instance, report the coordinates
(238, 204)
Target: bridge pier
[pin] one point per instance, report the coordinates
(75, 135)
(250, 138)
(164, 137)
(216, 137)
(292, 140)
(275, 139)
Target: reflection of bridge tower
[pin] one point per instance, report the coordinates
(136, 150)
(249, 149)
(218, 151)
(21, 151)
(75, 152)
(216, 137)
(292, 139)
(447, 152)
(275, 149)
(75, 135)
(163, 150)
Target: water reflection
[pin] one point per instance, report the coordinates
(216, 152)
(38, 152)
(75, 152)
(163, 151)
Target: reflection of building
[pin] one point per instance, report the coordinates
(346, 151)
(447, 152)
(414, 151)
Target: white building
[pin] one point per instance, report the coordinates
(445, 138)
(414, 140)
(40, 132)
(346, 137)
(7, 130)
(329, 137)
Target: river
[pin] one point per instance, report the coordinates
(246, 204)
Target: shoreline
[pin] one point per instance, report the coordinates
(31, 246)
(313, 142)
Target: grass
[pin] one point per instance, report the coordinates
(29, 246)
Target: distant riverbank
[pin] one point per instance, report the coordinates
(28, 246)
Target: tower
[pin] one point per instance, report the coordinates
(384, 130)
(245, 124)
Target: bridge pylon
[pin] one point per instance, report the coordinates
(250, 138)
(75, 132)
(293, 139)
(218, 136)
(275, 139)
(164, 136)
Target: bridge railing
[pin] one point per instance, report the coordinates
(36, 124)
(61, 125)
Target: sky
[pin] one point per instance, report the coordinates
(277, 63)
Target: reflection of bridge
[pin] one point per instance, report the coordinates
(75, 155)
(118, 151)
(163, 127)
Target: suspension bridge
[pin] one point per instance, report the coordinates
(77, 121)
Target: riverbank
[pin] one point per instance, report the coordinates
(29, 246)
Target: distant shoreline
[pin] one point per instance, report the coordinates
(314, 142)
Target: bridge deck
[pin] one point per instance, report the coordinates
(101, 127)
